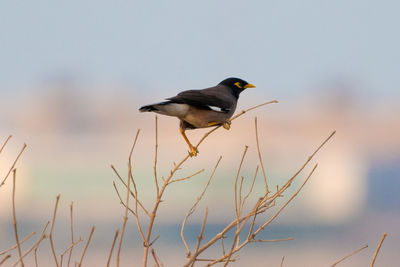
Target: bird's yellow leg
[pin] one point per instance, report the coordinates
(193, 150)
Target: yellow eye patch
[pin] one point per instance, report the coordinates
(238, 84)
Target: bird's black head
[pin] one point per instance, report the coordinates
(236, 85)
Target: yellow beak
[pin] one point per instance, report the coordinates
(249, 85)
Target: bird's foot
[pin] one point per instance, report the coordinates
(193, 151)
(227, 124)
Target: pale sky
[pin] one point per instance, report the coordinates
(284, 47)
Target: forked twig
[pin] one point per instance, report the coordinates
(348, 256)
(284, 206)
(132, 194)
(70, 247)
(377, 249)
(120, 199)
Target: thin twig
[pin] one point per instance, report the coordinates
(271, 240)
(15, 218)
(70, 247)
(155, 158)
(20, 242)
(248, 240)
(5, 143)
(238, 204)
(36, 245)
(377, 249)
(348, 256)
(71, 208)
(283, 259)
(232, 260)
(251, 188)
(112, 248)
(201, 235)
(260, 158)
(4, 259)
(192, 209)
(156, 259)
(233, 118)
(186, 178)
(132, 194)
(13, 165)
(86, 246)
(287, 203)
(289, 182)
(120, 199)
(51, 231)
(128, 190)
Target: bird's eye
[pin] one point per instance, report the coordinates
(238, 85)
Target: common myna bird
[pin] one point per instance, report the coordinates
(202, 108)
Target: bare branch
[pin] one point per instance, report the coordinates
(283, 259)
(15, 218)
(348, 256)
(132, 194)
(12, 166)
(377, 249)
(112, 248)
(35, 246)
(70, 247)
(71, 208)
(120, 199)
(86, 246)
(233, 118)
(20, 242)
(271, 240)
(155, 158)
(51, 231)
(284, 206)
(156, 259)
(186, 178)
(260, 158)
(4, 259)
(5, 143)
(192, 209)
(251, 188)
(201, 235)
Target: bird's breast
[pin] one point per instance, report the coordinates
(200, 118)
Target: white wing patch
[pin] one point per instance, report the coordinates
(218, 109)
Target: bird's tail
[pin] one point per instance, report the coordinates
(152, 107)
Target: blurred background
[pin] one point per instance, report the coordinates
(74, 73)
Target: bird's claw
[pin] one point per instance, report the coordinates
(193, 151)
(227, 124)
